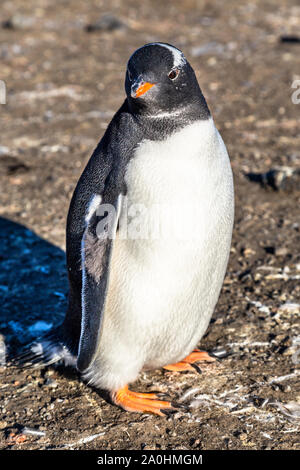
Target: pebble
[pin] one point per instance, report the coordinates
(290, 39)
(18, 21)
(278, 178)
(4, 150)
(50, 383)
(289, 307)
(107, 22)
(3, 424)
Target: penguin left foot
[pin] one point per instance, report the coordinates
(142, 402)
(188, 363)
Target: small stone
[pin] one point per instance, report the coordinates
(107, 22)
(251, 444)
(278, 178)
(4, 150)
(49, 373)
(291, 39)
(247, 252)
(282, 251)
(50, 383)
(18, 21)
(289, 307)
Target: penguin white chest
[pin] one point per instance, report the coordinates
(168, 184)
(170, 255)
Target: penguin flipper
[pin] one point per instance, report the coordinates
(96, 248)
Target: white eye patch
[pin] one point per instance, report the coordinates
(178, 57)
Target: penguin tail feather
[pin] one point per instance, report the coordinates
(44, 351)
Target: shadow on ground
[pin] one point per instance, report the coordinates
(33, 284)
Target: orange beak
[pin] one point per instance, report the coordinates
(143, 88)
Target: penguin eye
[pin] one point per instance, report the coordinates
(173, 74)
(129, 75)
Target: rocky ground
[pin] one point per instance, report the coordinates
(63, 64)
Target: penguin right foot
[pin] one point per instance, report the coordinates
(188, 363)
(142, 402)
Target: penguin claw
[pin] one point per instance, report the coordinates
(168, 411)
(179, 406)
(175, 408)
(197, 368)
(163, 396)
(216, 358)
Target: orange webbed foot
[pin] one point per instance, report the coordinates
(199, 356)
(142, 402)
(188, 363)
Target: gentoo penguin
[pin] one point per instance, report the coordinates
(148, 234)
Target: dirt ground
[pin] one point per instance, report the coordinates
(64, 81)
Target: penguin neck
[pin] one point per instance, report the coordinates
(161, 123)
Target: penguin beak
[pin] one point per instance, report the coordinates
(139, 87)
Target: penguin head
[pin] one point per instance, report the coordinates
(159, 79)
